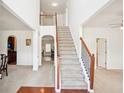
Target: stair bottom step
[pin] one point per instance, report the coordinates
(74, 91)
(74, 87)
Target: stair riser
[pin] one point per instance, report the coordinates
(64, 36)
(76, 60)
(67, 49)
(70, 69)
(69, 63)
(62, 29)
(70, 45)
(65, 39)
(74, 87)
(72, 78)
(66, 42)
(74, 75)
(67, 33)
(68, 57)
(71, 72)
(73, 83)
(67, 53)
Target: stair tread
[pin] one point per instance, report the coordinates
(72, 78)
(67, 48)
(67, 53)
(72, 83)
(71, 72)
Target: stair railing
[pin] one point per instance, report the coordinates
(57, 71)
(44, 20)
(88, 60)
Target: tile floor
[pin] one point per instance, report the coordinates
(24, 76)
(108, 81)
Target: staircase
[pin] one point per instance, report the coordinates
(71, 72)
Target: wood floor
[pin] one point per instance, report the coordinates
(46, 90)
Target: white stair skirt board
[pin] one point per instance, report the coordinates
(72, 76)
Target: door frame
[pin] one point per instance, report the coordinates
(14, 46)
(97, 63)
(41, 47)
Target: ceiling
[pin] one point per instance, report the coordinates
(10, 22)
(46, 6)
(110, 16)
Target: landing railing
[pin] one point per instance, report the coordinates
(88, 60)
(48, 20)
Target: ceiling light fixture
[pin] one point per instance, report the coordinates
(55, 4)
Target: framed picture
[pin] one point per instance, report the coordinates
(28, 42)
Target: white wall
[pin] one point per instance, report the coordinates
(114, 44)
(28, 10)
(24, 53)
(66, 17)
(79, 11)
(61, 19)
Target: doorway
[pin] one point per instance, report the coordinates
(101, 52)
(12, 50)
(47, 47)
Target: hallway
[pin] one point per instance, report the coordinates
(24, 76)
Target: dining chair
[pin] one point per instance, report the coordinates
(4, 66)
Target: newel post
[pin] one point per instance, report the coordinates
(92, 64)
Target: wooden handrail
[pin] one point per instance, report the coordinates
(92, 63)
(88, 51)
(47, 15)
(58, 63)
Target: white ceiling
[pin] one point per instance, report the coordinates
(46, 6)
(9, 22)
(110, 16)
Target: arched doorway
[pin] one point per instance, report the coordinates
(12, 50)
(47, 54)
(47, 48)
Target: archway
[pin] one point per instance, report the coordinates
(12, 50)
(47, 48)
(47, 54)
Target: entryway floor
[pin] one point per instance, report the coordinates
(108, 81)
(47, 90)
(24, 76)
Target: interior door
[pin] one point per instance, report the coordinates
(101, 45)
